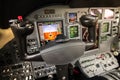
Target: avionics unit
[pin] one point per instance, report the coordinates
(48, 30)
(74, 31)
(72, 17)
(106, 28)
(18, 71)
(32, 42)
(98, 64)
(41, 69)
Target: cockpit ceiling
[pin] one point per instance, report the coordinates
(26, 6)
(12, 8)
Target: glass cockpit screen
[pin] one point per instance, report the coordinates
(49, 30)
(105, 29)
(72, 17)
(73, 31)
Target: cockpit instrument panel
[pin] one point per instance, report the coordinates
(58, 32)
(62, 20)
(59, 38)
(106, 28)
(72, 17)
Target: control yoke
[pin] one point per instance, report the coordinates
(89, 21)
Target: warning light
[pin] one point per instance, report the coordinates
(20, 18)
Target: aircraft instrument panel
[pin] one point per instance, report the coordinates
(86, 38)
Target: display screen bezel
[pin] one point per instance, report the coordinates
(77, 37)
(68, 17)
(109, 28)
(50, 21)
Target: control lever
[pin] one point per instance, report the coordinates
(91, 31)
(89, 21)
(21, 30)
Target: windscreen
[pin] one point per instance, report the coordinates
(109, 14)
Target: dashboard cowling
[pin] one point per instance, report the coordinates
(63, 53)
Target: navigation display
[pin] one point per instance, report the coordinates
(73, 31)
(105, 29)
(72, 17)
(48, 30)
